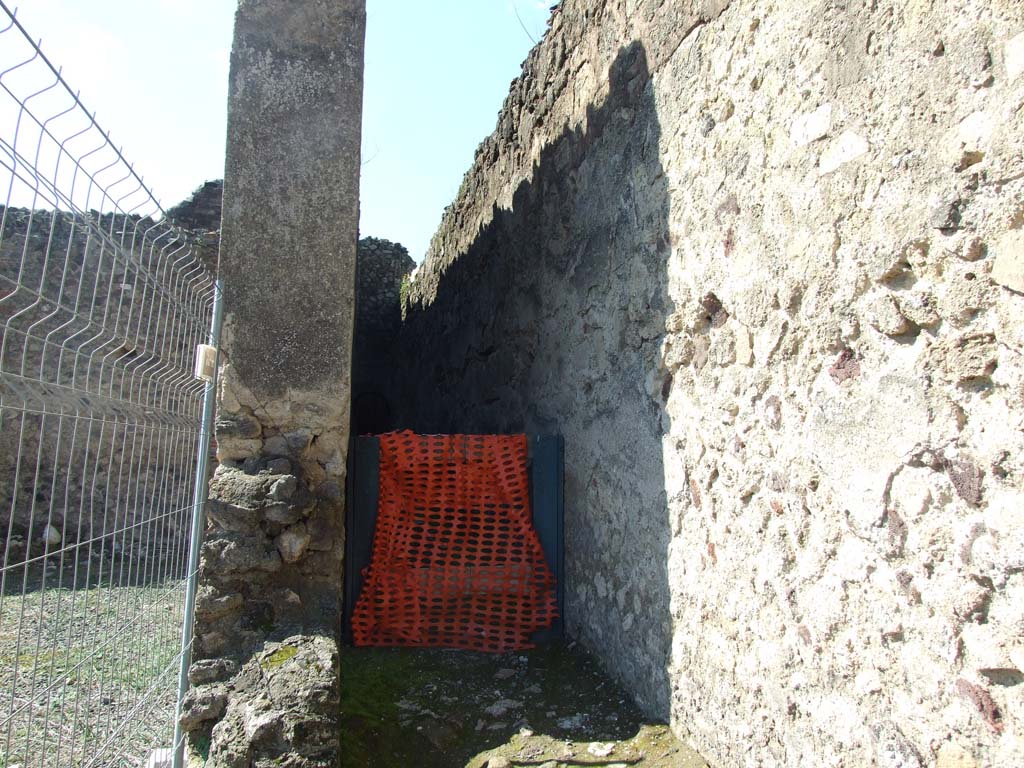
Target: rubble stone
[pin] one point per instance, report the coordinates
(281, 706)
(211, 671)
(205, 702)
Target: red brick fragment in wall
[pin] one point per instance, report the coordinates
(983, 701)
(456, 561)
(846, 366)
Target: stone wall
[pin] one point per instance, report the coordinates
(55, 255)
(381, 269)
(200, 214)
(268, 612)
(202, 210)
(761, 264)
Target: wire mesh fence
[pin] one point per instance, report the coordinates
(102, 305)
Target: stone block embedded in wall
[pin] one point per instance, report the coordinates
(1008, 262)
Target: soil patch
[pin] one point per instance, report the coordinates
(549, 707)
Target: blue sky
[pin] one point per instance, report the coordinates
(155, 72)
(437, 73)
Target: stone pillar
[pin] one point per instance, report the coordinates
(272, 562)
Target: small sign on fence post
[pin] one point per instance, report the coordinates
(206, 362)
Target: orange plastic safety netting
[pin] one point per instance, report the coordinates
(456, 561)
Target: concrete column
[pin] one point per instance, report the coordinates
(271, 569)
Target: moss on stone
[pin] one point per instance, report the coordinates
(279, 657)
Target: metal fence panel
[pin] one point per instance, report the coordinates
(102, 305)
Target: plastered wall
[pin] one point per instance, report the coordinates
(761, 264)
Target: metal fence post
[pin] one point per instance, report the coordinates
(198, 525)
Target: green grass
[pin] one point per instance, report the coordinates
(80, 664)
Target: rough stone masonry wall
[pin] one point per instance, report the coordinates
(762, 264)
(200, 214)
(268, 610)
(382, 267)
(33, 516)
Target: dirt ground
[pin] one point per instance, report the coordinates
(548, 707)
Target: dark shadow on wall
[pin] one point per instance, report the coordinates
(381, 268)
(371, 414)
(551, 322)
